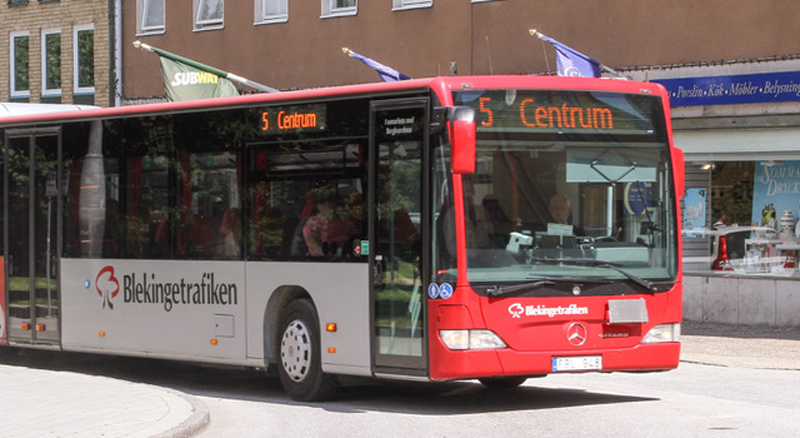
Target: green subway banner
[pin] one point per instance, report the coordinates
(184, 82)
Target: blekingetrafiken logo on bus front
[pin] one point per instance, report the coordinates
(517, 310)
(147, 288)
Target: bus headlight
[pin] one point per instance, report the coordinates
(663, 333)
(471, 339)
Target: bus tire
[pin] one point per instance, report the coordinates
(506, 382)
(300, 354)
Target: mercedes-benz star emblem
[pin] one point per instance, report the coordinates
(576, 334)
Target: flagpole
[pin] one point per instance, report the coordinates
(544, 37)
(206, 68)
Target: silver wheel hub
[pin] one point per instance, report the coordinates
(296, 350)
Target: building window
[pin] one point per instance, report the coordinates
(272, 11)
(151, 16)
(398, 5)
(209, 14)
(20, 66)
(339, 8)
(51, 62)
(17, 2)
(83, 59)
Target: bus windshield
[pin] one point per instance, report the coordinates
(570, 187)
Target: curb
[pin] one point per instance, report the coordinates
(192, 425)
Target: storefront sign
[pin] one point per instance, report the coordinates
(727, 90)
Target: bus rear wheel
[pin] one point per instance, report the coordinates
(300, 358)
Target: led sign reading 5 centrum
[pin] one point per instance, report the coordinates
(560, 110)
(299, 118)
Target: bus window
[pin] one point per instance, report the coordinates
(306, 202)
(93, 221)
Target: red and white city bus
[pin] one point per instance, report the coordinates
(396, 230)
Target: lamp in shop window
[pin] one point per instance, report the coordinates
(791, 260)
(707, 166)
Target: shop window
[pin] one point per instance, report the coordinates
(151, 16)
(744, 221)
(339, 8)
(411, 4)
(209, 14)
(51, 63)
(271, 11)
(20, 65)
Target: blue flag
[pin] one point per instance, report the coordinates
(572, 63)
(387, 74)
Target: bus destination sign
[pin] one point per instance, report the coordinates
(293, 119)
(558, 110)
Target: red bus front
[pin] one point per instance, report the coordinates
(560, 252)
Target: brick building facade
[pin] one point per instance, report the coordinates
(26, 27)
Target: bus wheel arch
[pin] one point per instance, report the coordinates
(273, 313)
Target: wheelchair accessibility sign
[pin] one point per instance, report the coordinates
(443, 291)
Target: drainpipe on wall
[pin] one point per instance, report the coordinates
(115, 76)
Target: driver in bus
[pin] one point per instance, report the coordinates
(559, 208)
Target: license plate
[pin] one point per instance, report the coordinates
(577, 363)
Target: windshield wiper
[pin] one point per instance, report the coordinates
(647, 284)
(498, 291)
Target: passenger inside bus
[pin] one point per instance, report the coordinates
(315, 228)
(230, 234)
(478, 225)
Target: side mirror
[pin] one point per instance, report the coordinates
(462, 138)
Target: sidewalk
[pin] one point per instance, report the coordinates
(741, 346)
(61, 403)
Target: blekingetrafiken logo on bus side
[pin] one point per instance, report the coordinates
(146, 288)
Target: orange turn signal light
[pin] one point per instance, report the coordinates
(101, 334)
(331, 327)
(214, 342)
(41, 327)
(332, 350)
(25, 326)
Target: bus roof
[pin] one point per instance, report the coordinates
(10, 109)
(442, 86)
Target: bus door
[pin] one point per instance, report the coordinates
(31, 238)
(398, 136)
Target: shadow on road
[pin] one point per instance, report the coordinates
(452, 398)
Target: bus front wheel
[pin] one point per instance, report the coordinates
(300, 367)
(505, 382)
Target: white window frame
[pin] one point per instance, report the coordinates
(402, 5)
(263, 18)
(12, 55)
(207, 23)
(144, 7)
(76, 89)
(48, 92)
(330, 10)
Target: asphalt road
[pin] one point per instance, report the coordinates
(733, 381)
